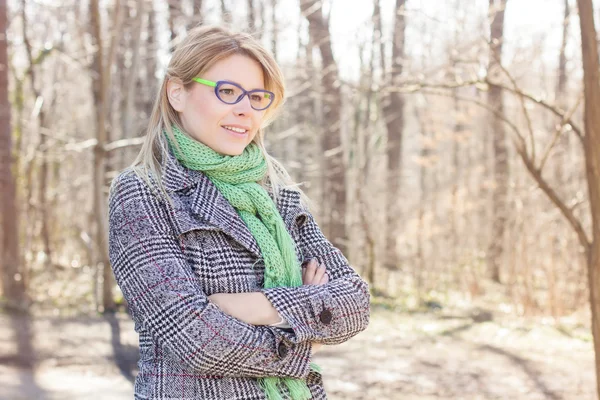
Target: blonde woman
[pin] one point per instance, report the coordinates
(230, 282)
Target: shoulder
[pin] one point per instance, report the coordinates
(130, 186)
(135, 202)
(130, 180)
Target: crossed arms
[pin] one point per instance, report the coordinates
(164, 297)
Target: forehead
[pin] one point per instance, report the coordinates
(237, 68)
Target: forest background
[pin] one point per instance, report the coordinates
(452, 150)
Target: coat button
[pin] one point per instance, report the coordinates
(325, 316)
(282, 350)
(300, 220)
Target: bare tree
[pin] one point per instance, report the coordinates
(173, 14)
(150, 82)
(334, 179)
(591, 145)
(44, 210)
(101, 71)
(501, 172)
(225, 13)
(393, 111)
(251, 16)
(560, 172)
(129, 112)
(197, 14)
(12, 281)
(560, 94)
(274, 28)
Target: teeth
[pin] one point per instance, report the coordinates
(238, 130)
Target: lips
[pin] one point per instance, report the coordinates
(237, 135)
(236, 128)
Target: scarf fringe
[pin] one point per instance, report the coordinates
(270, 387)
(298, 389)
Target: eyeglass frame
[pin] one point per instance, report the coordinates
(245, 93)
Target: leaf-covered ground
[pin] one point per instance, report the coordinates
(400, 356)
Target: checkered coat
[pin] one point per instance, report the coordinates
(168, 258)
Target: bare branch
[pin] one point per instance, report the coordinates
(523, 108)
(521, 140)
(558, 131)
(533, 170)
(122, 143)
(482, 85)
(553, 196)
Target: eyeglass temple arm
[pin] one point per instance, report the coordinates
(205, 82)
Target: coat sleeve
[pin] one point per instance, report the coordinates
(330, 313)
(165, 298)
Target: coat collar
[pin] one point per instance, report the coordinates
(195, 194)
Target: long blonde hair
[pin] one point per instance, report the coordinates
(197, 52)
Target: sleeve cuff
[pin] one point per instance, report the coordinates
(308, 309)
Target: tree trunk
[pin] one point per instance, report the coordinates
(274, 27)
(560, 96)
(501, 172)
(197, 15)
(334, 195)
(421, 266)
(148, 91)
(130, 112)
(172, 20)
(251, 16)
(99, 94)
(393, 111)
(225, 13)
(591, 85)
(561, 168)
(13, 286)
(43, 209)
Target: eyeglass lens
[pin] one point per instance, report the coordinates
(231, 94)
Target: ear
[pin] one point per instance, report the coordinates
(176, 94)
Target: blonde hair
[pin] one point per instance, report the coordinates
(197, 52)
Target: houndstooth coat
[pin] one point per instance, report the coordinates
(168, 259)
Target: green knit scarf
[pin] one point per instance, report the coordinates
(236, 178)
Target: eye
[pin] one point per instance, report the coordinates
(257, 98)
(226, 91)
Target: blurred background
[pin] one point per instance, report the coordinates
(451, 150)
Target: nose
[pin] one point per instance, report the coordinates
(243, 107)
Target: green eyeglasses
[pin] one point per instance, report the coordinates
(232, 93)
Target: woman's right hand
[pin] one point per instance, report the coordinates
(314, 273)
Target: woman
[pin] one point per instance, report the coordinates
(207, 234)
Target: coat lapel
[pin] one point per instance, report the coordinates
(193, 192)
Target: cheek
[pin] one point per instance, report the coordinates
(258, 119)
(207, 110)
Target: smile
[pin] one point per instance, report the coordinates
(234, 129)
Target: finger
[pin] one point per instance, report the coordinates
(324, 279)
(319, 274)
(303, 275)
(304, 266)
(311, 269)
